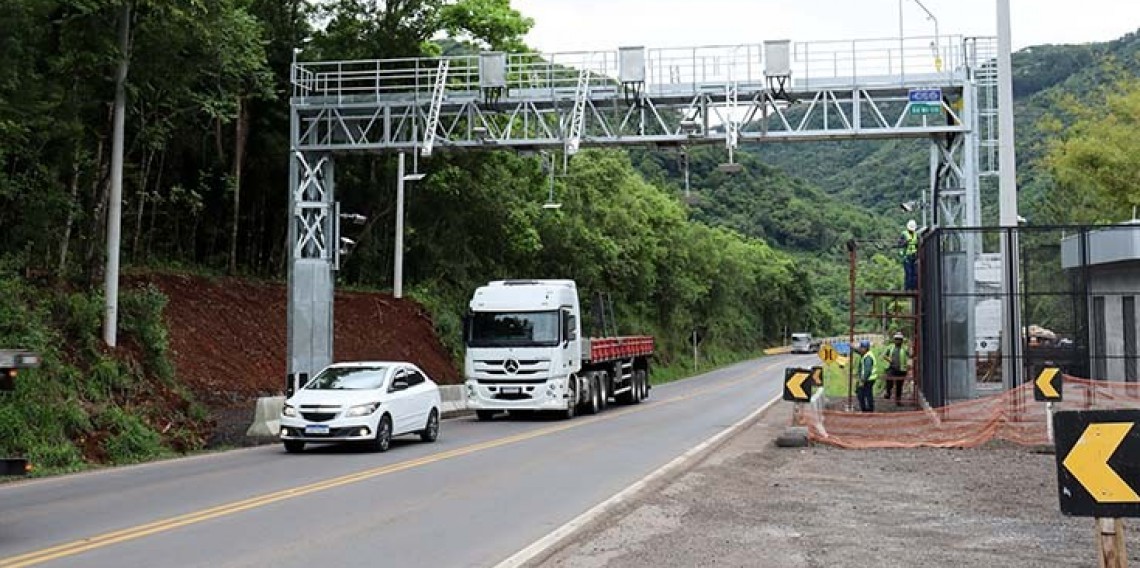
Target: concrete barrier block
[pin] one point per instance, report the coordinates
(454, 401)
(266, 417)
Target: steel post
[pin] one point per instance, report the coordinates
(398, 265)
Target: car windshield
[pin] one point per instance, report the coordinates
(513, 329)
(800, 337)
(348, 378)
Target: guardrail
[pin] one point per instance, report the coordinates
(864, 62)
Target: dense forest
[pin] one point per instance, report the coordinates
(205, 183)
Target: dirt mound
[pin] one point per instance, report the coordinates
(227, 335)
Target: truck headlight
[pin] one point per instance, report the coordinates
(362, 409)
(288, 411)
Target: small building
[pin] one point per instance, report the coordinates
(1109, 261)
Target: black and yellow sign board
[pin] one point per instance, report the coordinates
(798, 384)
(1098, 462)
(827, 353)
(1047, 385)
(817, 376)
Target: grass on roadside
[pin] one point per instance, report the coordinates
(709, 360)
(86, 406)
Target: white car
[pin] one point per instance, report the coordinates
(366, 402)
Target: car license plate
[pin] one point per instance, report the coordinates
(512, 390)
(317, 429)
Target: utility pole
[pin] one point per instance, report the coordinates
(1007, 198)
(115, 207)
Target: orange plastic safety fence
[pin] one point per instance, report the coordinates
(1013, 416)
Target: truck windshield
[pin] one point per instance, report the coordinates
(517, 329)
(348, 378)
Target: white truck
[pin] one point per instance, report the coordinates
(525, 352)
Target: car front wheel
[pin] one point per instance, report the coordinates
(430, 432)
(383, 439)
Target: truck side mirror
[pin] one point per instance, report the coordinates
(571, 327)
(466, 327)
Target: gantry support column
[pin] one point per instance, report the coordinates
(954, 195)
(312, 259)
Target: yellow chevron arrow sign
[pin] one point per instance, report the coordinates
(1088, 462)
(1044, 383)
(796, 385)
(817, 375)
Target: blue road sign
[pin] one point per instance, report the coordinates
(925, 95)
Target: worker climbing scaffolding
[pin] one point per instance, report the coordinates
(908, 253)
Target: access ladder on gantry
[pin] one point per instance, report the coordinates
(924, 88)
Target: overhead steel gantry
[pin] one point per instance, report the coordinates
(772, 92)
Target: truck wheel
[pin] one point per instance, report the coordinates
(572, 403)
(635, 392)
(484, 415)
(604, 380)
(294, 446)
(594, 405)
(644, 384)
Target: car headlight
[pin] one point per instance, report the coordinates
(362, 409)
(288, 411)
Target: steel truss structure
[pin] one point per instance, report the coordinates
(729, 95)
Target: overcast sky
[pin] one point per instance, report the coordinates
(571, 25)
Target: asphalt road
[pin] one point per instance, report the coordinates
(478, 495)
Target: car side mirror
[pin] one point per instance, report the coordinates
(399, 385)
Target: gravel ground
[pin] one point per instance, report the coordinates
(753, 504)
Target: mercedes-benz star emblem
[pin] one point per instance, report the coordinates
(511, 366)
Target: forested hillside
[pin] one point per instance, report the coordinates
(881, 175)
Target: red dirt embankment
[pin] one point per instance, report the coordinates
(227, 335)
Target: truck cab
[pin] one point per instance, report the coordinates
(523, 346)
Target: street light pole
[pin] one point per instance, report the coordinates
(398, 275)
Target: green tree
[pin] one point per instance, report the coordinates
(1096, 160)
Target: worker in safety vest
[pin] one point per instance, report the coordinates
(908, 243)
(898, 362)
(865, 377)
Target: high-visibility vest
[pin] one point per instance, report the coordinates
(899, 358)
(911, 246)
(867, 366)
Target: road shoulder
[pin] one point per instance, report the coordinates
(752, 504)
